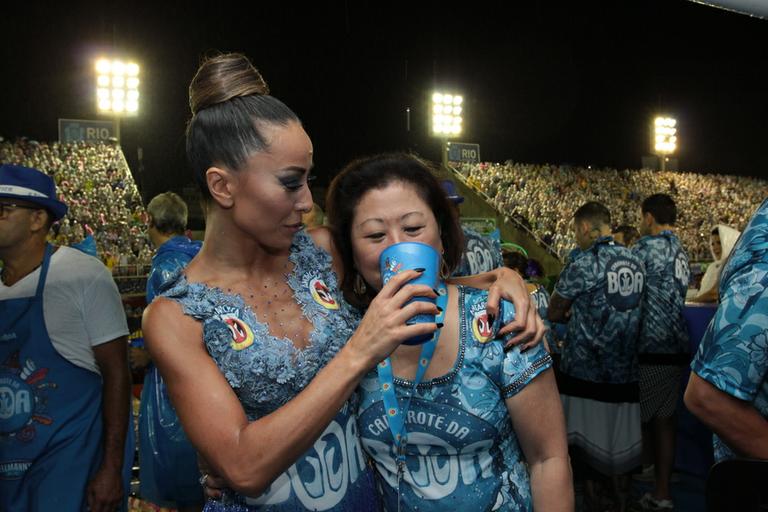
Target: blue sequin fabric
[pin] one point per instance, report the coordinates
(266, 372)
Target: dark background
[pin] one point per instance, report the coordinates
(575, 82)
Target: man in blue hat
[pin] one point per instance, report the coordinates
(481, 253)
(64, 381)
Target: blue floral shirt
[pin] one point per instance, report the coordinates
(462, 453)
(663, 330)
(266, 372)
(540, 299)
(481, 254)
(733, 354)
(605, 284)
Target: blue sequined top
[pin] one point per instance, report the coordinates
(266, 372)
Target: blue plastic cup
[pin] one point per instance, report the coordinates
(408, 256)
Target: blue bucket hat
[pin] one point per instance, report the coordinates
(31, 185)
(450, 191)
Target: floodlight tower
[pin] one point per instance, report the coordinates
(117, 90)
(665, 137)
(446, 119)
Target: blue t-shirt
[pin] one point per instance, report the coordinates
(663, 329)
(605, 284)
(462, 453)
(481, 254)
(733, 354)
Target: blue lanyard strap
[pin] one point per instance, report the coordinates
(396, 417)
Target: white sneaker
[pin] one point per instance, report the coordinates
(648, 502)
(647, 475)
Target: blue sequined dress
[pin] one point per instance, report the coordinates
(266, 372)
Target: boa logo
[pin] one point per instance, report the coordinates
(23, 395)
(322, 294)
(321, 478)
(242, 335)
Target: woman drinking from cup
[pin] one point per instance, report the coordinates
(455, 422)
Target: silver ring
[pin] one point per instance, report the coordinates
(203, 479)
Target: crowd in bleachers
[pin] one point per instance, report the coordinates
(96, 183)
(543, 197)
(94, 180)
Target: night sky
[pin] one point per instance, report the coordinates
(574, 82)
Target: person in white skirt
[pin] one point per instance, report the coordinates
(599, 295)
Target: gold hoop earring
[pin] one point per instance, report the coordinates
(444, 274)
(358, 286)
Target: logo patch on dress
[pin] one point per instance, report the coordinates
(322, 294)
(242, 335)
(482, 329)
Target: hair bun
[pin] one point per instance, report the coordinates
(222, 78)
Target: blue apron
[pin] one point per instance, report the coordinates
(50, 414)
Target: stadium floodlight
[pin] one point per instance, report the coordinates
(446, 114)
(665, 138)
(117, 87)
(665, 135)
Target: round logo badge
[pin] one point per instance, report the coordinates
(624, 283)
(322, 294)
(481, 327)
(242, 335)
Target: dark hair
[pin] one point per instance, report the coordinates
(515, 260)
(661, 207)
(594, 213)
(630, 233)
(377, 172)
(534, 269)
(230, 105)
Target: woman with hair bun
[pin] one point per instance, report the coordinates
(259, 351)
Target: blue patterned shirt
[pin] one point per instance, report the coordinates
(663, 329)
(462, 452)
(733, 354)
(605, 284)
(540, 299)
(481, 254)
